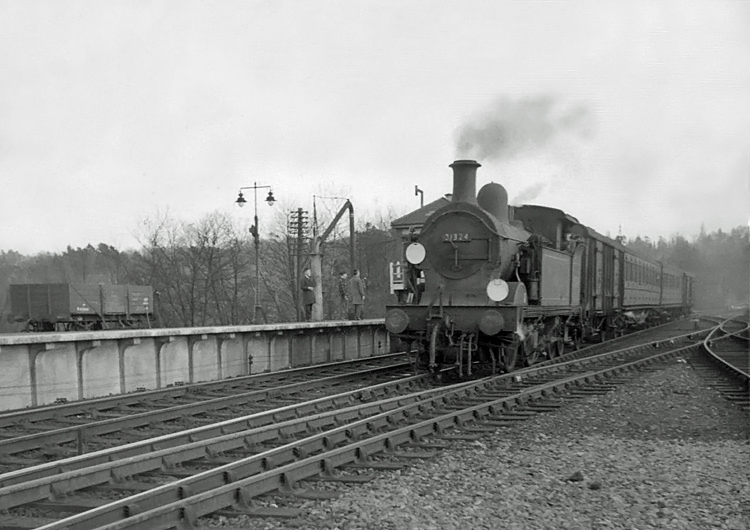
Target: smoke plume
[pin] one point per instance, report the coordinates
(510, 127)
(529, 193)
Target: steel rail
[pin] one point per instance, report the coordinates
(739, 333)
(71, 434)
(297, 412)
(725, 366)
(165, 457)
(226, 426)
(595, 348)
(229, 485)
(52, 412)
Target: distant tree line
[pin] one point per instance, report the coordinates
(203, 273)
(720, 260)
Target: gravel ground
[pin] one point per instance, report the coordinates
(662, 451)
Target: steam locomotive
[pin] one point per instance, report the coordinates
(485, 285)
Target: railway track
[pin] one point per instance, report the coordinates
(199, 476)
(689, 328)
(41, 435)
(725, 360)
(73, 410)
(35, 436)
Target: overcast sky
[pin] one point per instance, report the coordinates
(632, 114)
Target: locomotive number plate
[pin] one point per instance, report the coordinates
(457, 236)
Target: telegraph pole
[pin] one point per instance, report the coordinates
(297, 228)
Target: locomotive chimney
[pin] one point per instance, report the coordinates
(465, 180)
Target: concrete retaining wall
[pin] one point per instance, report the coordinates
(41, 368)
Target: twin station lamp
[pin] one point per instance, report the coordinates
(241, 201)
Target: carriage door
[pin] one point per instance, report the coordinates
(609, 278)
(618, 283)
(685, 289)
(598, 276)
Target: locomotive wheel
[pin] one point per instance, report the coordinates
(555, 344)
(529, 352)
(551, 349)
(576, 336)
(434, 348)
(509, 356)
(559, 346)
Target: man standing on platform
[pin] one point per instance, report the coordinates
(357, 294)
(308, 294)
(343, 296)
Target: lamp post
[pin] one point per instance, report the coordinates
(256, 238)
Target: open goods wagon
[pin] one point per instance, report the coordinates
(78, 307)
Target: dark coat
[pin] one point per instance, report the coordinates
(308, 291)
(344, 289)
(356, 290)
